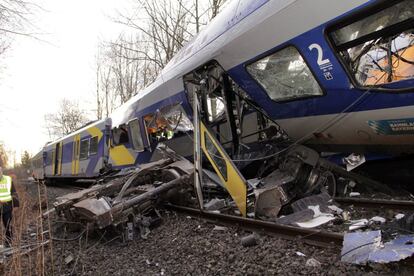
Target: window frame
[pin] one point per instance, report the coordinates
(274, 51)
(140, 134)
(223, 169)
(362, 13)
(80, 149)
(97, 146)
(128, 143)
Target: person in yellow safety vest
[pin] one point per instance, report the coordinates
(8, 200)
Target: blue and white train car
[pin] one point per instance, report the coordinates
(82, 153)
(336, 75)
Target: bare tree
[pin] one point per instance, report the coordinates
(215, 7)
(15, 20)
(130, 63)
(106, 98)
(163, 27)
(67, 119)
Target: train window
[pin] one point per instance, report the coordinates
(157, 127)
(216, 156)
(176, 118)
(378, 49)
(135, 130)
(284, 76)
(93, 145)
(84, 148)
(120, 135)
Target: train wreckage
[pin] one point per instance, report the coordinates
(302, 194)
(252, 121)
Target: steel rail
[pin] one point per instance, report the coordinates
(376, 203)
(312, 236)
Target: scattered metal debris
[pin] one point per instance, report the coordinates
(69, 259)
(399, 216)
(129, 200)
(365, 247)
(313, 262)
(219, 228)
(215, 204)
(358, 224)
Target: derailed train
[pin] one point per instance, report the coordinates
(334, 75)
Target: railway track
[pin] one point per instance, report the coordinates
(377, 203)
(311, 236)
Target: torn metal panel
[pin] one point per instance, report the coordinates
(365, 247)
(215, 204)
(321, 200)
(357, 246)
(317, 221)
(358, 224)
(92, 207)
(269, 202)
(300, 216)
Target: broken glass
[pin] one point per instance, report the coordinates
(285, 76)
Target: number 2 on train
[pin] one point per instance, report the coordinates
(320, 60)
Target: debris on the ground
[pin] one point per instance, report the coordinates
(399, 216)
(365, 247)
(313, 263)
(69, 259)
(219, 228)
(249, 240)
(128, 200)
(346, 215)
(358, 224)
(215, 204)
(317, 221)
(307, 218)
(378, 219)
(300, 254)
(335, 209)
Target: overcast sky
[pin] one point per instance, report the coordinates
(39, 74)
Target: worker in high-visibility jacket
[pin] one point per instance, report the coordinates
(8, 200)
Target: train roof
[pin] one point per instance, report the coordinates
(242, 31)
(79, 130)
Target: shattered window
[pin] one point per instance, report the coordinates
(84, 148)
(167, 122)
(285, 76)
(120, 135)
(215, 108)
(176, 118)
(216, 156)
(93, 145)
(137, 142)
(379, 49)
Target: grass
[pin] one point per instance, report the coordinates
(33, 250)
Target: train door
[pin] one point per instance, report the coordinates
(75, 155)
(57, 170)
(216, 138)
